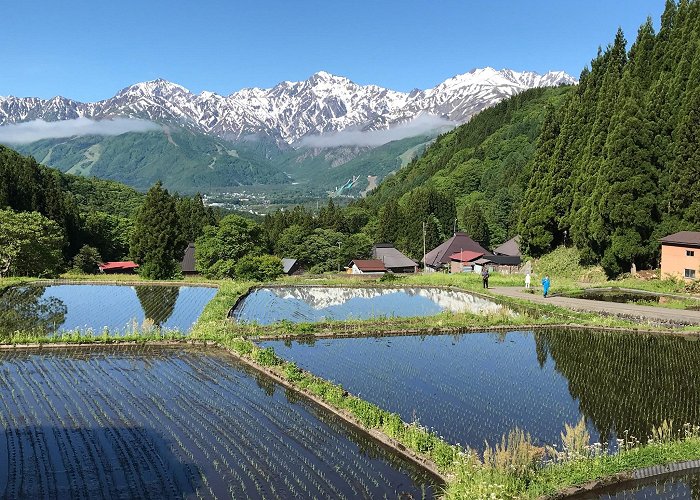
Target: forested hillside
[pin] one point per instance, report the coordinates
(51, 221)
(476, 174)
(618, 166)
(182, 160)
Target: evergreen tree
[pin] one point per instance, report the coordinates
(157, 244)
(474, 224)
(193, 217)
(390, 223)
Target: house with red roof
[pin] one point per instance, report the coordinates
(464, 261)
(120, 267)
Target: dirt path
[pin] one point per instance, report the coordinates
(630, 311)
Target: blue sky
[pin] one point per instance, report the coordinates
(88, 50)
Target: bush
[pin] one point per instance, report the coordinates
(87, 260)
(565, 262)
(259, 268)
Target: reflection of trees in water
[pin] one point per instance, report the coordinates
(627, 381)
(157, 302)
(24, 309)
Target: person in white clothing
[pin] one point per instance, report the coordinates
(527, 280)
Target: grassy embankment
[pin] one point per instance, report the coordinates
(512, 470)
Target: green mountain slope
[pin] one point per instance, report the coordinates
(330, 168)
(184, 161)
(483, 166)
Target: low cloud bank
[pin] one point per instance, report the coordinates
(422, 124)
(24, 133)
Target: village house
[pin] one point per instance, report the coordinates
(393, 260)
(371, 266)
(680, 255)
(440, 257)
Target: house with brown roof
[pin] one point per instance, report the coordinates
(439, 257)
(393, 260)
(371, 266)
(680, 255)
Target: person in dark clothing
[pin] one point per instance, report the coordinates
(485, 277)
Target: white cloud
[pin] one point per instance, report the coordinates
(24, 133)
(422, 124)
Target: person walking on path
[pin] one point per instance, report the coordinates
(545, 285)
(485, 277)
(527, 280)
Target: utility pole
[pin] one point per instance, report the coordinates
(425, 264)
(454, 227)
(338, 257)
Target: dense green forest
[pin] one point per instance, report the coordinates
(618, 165)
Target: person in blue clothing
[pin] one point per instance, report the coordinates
(545, 285)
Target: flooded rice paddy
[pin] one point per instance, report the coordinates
(268, 305)
(118, 308)
(682, 485)
(476, 387)
(148, 422)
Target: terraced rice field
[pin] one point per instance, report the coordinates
(476, 387)
(676, 486)
(314, 303)
(118, 308)
(148, 422)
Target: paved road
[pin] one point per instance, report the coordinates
(650, 313)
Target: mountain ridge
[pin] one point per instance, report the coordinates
(289, 111)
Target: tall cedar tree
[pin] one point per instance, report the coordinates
(157, 244)
(623, 169)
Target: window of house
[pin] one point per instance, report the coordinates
(690, 253)
(690, 273)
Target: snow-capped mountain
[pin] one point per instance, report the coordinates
(290, 111)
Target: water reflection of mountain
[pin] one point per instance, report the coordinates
(267, 305)
(26, 309)
(627, 382)
(324, 297)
